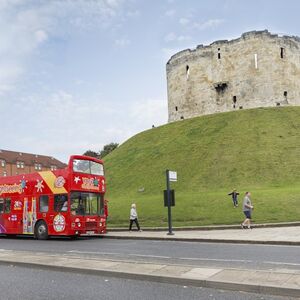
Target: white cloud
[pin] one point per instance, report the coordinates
(184, 21)
(170, 12)
(122, 42)
(133, 13)
(152, 111)
(212, 23)
(41, 36)
(26, 26)
(172, 37)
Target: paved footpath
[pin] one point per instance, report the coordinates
(261, 235)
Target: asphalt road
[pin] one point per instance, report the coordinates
(25, 283)
(267, 257)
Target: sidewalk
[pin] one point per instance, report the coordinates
(283, 282)
(262, 235)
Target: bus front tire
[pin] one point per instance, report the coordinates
(41, 231)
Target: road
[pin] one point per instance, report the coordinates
(267, 257)
(33, 284)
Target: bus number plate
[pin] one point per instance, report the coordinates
(90, 232)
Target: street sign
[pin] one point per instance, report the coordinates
(172, 175)
(172, 198)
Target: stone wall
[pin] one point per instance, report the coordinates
(258, 69)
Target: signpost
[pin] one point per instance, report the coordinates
(169, 194)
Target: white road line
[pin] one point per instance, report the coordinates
(144, 255)
(217, 259)
(281, 263)
(91, 252)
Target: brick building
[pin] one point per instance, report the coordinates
(14, 163)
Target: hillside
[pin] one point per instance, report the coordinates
(256, 150)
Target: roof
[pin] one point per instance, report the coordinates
(30, 159)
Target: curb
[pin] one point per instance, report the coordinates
(233, 286)
(210, 227)
(228, 241)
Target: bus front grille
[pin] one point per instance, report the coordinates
(90, 225)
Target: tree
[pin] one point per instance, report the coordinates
(107, 149)
(92, 153)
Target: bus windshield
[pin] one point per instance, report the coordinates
(84, 203)
(87, 167)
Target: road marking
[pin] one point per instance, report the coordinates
(217, 259)
(281, 263)
(93, 252)
(144, 255)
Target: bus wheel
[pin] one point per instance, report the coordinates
(41, 231)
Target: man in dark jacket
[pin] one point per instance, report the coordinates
(234, 194)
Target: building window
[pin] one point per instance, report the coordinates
(176, 108)
(4, 173)
(53, 168)
(187, 71)
(38, 167)
(2, 162)
(20, 164)
(234, 101)
(182, 117)
(282, 52)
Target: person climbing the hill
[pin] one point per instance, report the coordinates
(234, 194)
(134, 217)
(247, 209)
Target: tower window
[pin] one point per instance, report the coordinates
(219, 55)
(234, 99)
(181, 117)
(176, 108)
(187, 71)
(282, 50)
(285, 94)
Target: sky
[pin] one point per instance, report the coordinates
(78, 74)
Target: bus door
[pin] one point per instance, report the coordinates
(4, 215)
(60, 216)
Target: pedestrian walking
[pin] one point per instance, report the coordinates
(234, 194)
(134, 217)
(247, 209)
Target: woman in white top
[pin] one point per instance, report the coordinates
(134, 217)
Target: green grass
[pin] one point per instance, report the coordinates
(256, 150)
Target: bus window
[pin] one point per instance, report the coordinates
(88, 167)
(44, 203)
(77, 204)
(101, 207)
(1, 205)
(84, 203)
(7, 205)
(61, 203)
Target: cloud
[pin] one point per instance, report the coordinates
(123, 42)
(184, 21)
(25, 27)
(172, 37)
(151, 111)
(212, 23)
(170, 12)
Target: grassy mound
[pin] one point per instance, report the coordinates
(256, 150)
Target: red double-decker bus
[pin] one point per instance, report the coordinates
(66, 202)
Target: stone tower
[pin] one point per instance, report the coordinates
(259, 69)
